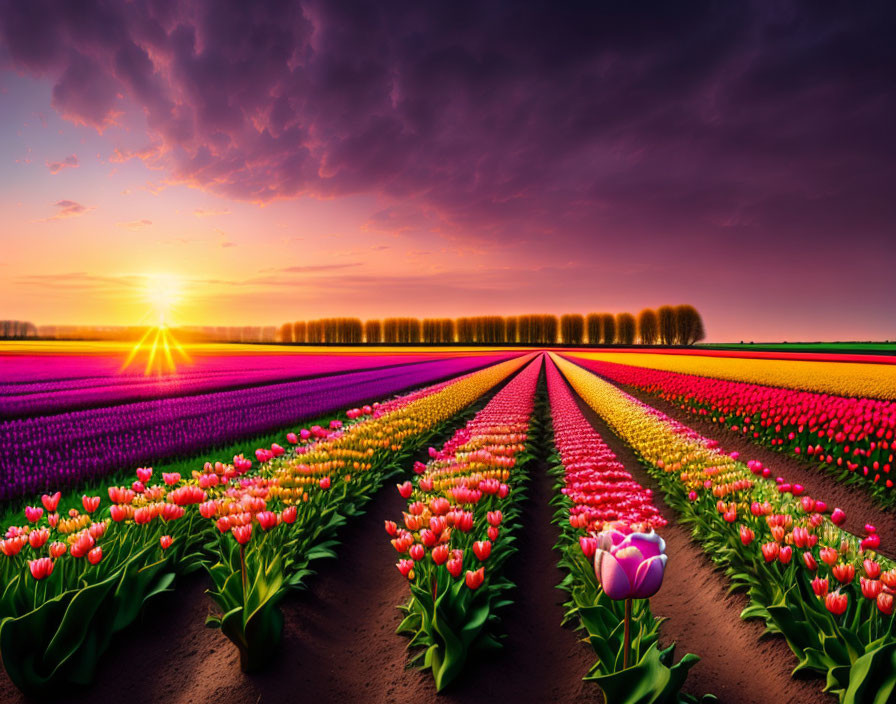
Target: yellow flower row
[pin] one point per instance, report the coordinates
(841, 378)
(655, 440)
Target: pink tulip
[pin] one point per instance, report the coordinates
(631, 567)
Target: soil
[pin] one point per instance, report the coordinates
(859, 505)
(737, 663)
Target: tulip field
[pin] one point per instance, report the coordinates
(457, 524)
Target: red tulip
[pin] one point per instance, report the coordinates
(482, 549)
(289, 514)
(406, 567)
(475, 579)
(95, 555)
(871, 587)
(872, 569)
(494, 518)
(828, 555)
(165, 541)
(455, 567)
(417, 552)
(588, 545)
(405, 490)
(843, 573)
(90, 503)
(785, 554)
(838, 517)
(493, 533)
(243, 534)
(118, 512)
(58, 549)
(41, 568)
(836, 603)
(37, 538)
(770, 551)
(885, 603)
(820, 586)
(266, 519)
(391, 528)
(440, 554)
(746, 535)
(810, 561)
(324, 482)
(51, 502)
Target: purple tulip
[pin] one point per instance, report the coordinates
(630, 566)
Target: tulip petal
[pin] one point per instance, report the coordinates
(613, 578)
(649, 577)
(650, 544)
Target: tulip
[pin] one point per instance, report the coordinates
(820, 586)
(41, 568)
(417, 552)
(95, 555)
(885, 603)
(843, 573)
(871, 587)
(33, 513)
(588, 545)
(836, 603)
(266, 519)
(406, 567)
(51, 502)
(37, 538)
(144, 474)
(440, 554)
(785, 554)
(810, 561)
(829, 555)
(289, 514)
(475, 579)
(872, 569)
(324, 482)
(118, 512)
(58, 549)
(482, 549)
(492, 533)
(632, 568)
(746, 535)
(770, 551)
(838, 517)
(242, 534)
(405, 490)
(165, 541)
(90, 503)
(455, 566)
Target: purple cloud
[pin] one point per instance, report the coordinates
(69, 162)
(689, 122)
(67, 209)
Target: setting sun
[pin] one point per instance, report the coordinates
(163, 292)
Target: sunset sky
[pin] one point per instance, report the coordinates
(272, 161)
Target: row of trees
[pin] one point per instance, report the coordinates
(16, 329)
(667, 325)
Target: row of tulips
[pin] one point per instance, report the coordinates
(74, 580)
(851, 436)
(457, 532)
(613, 559)
(857, 379)
(261, 556)
(781, 545)
(65, 450)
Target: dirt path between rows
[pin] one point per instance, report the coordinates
(340, 642)
(858, 504)
(737, 664)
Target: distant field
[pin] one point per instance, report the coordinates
(843, 347)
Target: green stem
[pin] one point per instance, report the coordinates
(243, 571)
(628, 634)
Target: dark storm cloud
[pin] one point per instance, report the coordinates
(513, 120)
